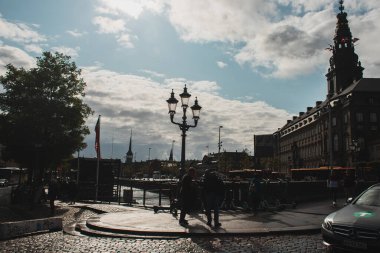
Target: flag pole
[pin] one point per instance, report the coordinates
(97, 148)
(97, 179)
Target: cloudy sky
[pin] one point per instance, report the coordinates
(253, 64)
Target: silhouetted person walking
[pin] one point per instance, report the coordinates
(213, 190)
(187, 195)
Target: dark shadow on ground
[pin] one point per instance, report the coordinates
(18, 212)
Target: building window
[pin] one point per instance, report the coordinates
(361, 142)
(336, 142)
(345, 118)
(359, 117)
(372, 117)
(333, 121)
(347, 143)
(371, 101)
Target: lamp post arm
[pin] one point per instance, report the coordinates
(195, 124)
(172, 120)
(183, 126)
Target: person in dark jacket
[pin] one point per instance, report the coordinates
(213, 191)
(187, 195)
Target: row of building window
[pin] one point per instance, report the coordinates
(359, 117)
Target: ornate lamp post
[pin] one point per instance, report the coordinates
(196, 109)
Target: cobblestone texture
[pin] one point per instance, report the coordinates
(60, 242)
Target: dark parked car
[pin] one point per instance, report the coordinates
(355, 227)
(3, 182)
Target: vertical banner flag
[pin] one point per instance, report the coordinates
(97, 138)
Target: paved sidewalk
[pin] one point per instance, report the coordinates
(305, 218)
(125, 220)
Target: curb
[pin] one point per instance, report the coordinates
(21, 228)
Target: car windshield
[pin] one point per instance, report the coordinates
(370, 197)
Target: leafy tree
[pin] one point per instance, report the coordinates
(42, 114)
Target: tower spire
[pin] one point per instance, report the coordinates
(345, 68)
(129, 158)
(341, 7)
(171, 152)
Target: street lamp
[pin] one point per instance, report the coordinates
(196, 109)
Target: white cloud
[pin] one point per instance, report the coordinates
(72, 52)
(281, 47)
(115, 26)
(16, 57)
(153, 73)
(221, 64)
(131, 8)
(258, 32)
(19, 32)
(108, 25)
(367, 29)
(224, 20)
(126, 40)
(299, 6)
(34, 48)
(139, 103)
(75, 33)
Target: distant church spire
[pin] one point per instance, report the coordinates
(345, 67)
(129, 158)
(171, 153)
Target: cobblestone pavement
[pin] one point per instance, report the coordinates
(60, 242)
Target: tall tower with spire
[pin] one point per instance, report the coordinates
(350, 116)
(129, 156)
(171, 152)
(345, 68)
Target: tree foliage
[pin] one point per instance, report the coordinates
(42, 113)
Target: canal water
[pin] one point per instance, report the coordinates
(151, 198)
